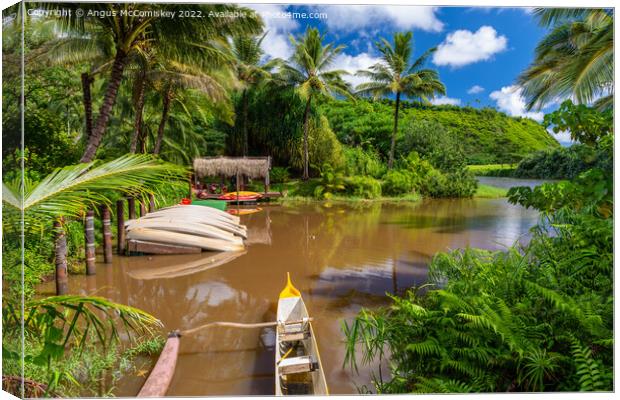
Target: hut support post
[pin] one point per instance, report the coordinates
(89, 239)
(189, 193)
(151, 202)
(120, 227)
(131, 204)
(237, 182)
(62, 283)
(142, 209)
(107, 234)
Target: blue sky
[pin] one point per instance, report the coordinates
(481, 51)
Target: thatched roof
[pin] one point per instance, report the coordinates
(253, 167)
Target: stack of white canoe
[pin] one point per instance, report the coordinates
(190, 226)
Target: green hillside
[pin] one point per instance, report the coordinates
(488, 136)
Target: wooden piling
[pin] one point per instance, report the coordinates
(120, 227)
(107, 234)
(131, 204)
(62, 282)
(142, 209)
(89, 240)
(151, 203)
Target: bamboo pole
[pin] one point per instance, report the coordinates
(89, 239)
(62, 283)
(107, 234)
(120, 227)
(131, 204)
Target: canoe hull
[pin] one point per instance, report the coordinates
(314, 382)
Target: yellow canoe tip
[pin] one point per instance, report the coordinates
(289, 290)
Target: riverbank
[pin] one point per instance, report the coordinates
(299, 192)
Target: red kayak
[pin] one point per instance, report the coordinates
(243, 196)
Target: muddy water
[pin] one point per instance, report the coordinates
(341, 258)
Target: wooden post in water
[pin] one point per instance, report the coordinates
(131, 204)
(120, 227)
(89, 239)
(60, 248)
(142, 209)
(107, 234)
(151, 203)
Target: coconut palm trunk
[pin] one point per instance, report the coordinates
(244, 99)
(162, 123)
(106, 108)
(393, 144)
(87, 80)
(306, 174)
(137, 125)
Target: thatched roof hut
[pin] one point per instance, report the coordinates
(252, 167)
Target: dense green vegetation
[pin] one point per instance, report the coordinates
(487, 136)
(533, 318)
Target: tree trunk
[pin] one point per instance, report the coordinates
(162, 123)
(106, 108)
(393, 145)
(244, 100)
(89, 240)
(306, 174)
(107, 234)
(60, 248)
(137, 124)
(87, 80)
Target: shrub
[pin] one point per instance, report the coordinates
(454, 184)
(433, 142)
(358, 161)
(363, 186)
(332, 181)
(561, 163)
(279, 175)
(398, 182)
(323, 146)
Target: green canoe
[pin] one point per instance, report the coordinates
(218, 204)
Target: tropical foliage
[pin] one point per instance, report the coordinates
(397, 75)
(543, 323)
(309, 72)
(574, 60)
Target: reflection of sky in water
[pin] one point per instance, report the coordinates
(214, 293)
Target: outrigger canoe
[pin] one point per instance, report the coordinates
(298, 368)
(243, 196)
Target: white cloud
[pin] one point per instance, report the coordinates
(445, 100)
(475, 89)
(510, 100)
(350, 18)
(276, 44)
(352, 64)
(563, 137)
(464, 47)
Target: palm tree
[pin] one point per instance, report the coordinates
(173, 76)
(180, 36)
(248, 54)
(396, 75)
(308, 70)
(574, 60)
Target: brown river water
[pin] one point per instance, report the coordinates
(342, 258)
